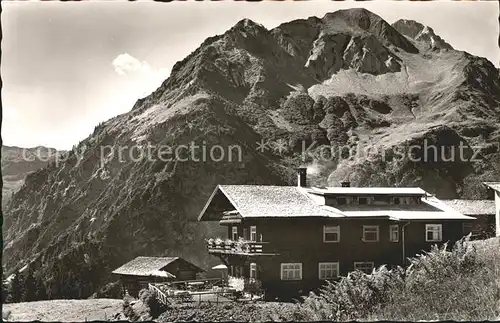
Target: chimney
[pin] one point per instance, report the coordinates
(345, 184)
(302, 177)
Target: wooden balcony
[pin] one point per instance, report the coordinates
(239, 247)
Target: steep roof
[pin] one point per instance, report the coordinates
(472, 207)
(292, 201)
(149, 266)
(273, 201)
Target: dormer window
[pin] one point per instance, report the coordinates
(381, 199)
(341, 201)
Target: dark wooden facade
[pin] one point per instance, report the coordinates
(132, 284)
(481, 228)
(286, 225)
(300, 240)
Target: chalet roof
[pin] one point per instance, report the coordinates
(401, 191)
(149, 266)
(292, 201)
(493, 185)
(273, 201)
(472, 207)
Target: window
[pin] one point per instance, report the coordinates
(291, 271)
(476, 229)
(394, 233)
(366, 267)
(381, 199)
(234, 235)
(362, 201)
(253, 233)
(328, 270)
(331, 233)
(397, 200)
(341, 201)
(433, 232)
(253, 270)
(370, 233)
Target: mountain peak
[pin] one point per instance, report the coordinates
(360, 21)
(248, 24)
(420, 33)
(355, 17)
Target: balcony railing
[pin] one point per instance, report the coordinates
(239, 247)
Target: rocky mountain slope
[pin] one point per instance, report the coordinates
(18, 162)
(314, 89)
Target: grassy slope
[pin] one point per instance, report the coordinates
(64, 310)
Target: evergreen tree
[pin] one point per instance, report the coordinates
(5, 287)
(29, 292)
(16, 288)
(41, 291)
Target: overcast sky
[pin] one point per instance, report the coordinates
(68, 66)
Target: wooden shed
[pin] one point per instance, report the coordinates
(137, 273)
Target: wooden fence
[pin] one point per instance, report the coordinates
(159, 294)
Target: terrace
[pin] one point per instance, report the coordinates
(239, 247)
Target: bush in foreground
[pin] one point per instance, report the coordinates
(147, 307)
(461, 284)
(353, 297)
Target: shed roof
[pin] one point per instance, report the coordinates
(150, 266)
(493, 185)
(472, 207)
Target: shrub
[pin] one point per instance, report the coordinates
(458, 284)
(336, 105)
(236, 283)
(110, 290)
(254, 287)
(153, 305)
(299, 108)
(128, 310)
(353, 297)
